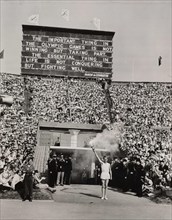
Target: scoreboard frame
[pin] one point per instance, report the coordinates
(56, 51)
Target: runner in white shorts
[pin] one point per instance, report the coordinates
(106, 174)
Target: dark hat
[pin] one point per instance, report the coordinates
(1, 170)
(30, 158)
(124, 160)
(138, 160)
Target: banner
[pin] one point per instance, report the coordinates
(34, 19)
(96, 22)
(65, 14)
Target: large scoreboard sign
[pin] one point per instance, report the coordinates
(66, 52)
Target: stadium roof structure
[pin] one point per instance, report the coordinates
(56, 125)
(139, 82)
(67, 30)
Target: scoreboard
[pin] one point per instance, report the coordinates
(66, 52)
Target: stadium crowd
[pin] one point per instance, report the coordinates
(17, 132)
(139, 104)
(144, 108)
(67, 100)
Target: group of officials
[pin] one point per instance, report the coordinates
(59, 170)
(128, 175)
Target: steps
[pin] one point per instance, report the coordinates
(41, 157)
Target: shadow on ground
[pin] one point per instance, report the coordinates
(91, 195)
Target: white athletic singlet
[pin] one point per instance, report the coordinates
(105, 171)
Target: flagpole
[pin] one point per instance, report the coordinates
(132, 73)
(2, 54)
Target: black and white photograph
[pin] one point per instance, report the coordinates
(85, 109)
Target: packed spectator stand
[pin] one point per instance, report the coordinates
(144, 108)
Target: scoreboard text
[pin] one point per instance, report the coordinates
(66, 52)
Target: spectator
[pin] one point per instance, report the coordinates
(40, 185)
(17, 182)
(2, 162)
(57, 142)
(148, 185)
(5, 180)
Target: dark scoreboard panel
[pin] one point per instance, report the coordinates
(66, 52)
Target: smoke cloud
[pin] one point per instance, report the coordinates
(82, 162)
(109, 139)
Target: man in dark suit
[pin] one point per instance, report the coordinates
(52, 170)
(124, 174)
(68, 170)
(131, 174)
(139, 178)
(115, 166)
(28, 169)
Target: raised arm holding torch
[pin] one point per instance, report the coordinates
(96, 154)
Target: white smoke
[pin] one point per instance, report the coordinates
(109, 139)
(82, 162)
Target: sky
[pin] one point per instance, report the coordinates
(142, 32)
